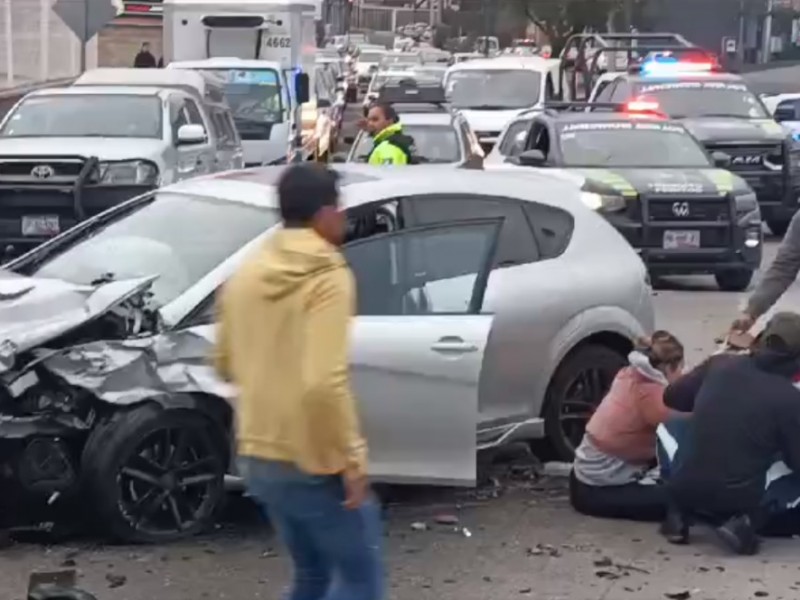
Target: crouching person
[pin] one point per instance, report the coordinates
(734, 463)
(611, 473)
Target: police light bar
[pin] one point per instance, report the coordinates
(410, 92)
(643, 106)
(667, 63)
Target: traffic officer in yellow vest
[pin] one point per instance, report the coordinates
(390, 145)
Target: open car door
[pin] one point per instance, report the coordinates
(418, 345)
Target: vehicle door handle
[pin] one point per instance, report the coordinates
(453, 345)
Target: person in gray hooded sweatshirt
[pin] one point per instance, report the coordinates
(611, 473)
(775, 281)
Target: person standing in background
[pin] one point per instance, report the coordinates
(144, 59)
(283, 342)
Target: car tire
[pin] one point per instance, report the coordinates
(598, 362)
(132, 461)
(778, 227)
(737, 280)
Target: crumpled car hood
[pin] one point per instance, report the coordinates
(34, 311)
(130, 371)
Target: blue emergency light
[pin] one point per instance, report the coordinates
(659, 64)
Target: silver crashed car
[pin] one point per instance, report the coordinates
(488, 304)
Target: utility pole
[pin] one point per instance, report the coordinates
(766, 34)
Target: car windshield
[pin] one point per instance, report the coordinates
(705, 99)
(255, 99)
(626, 144)
(179, 237)
(399, 59)
(86, 115)
(432, 144)
(512, 142)
(493, 89)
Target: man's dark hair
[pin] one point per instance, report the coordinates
(388, 111)
(305, 189)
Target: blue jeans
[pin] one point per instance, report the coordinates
(782, 486)
(336, 552)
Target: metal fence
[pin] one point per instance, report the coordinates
(384, 18)
(35, 45)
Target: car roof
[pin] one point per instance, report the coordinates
(227, 62)
(440, 117)
(534, 63)
(600, 117)
(689, 77)
(360, 184)
(102, 90)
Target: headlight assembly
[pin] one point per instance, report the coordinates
(603, 202)
(132, 172)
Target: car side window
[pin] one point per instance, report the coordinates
(788, 110)
(552, 227)
(177, 115)
(621, 92)
(605, 90)
(219, 130)
(516, 245)
(204, 313)
(425, 271)
(193, 112)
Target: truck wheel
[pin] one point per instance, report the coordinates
(578, 386)
(735, 280)
(778, 226)
(155, 475)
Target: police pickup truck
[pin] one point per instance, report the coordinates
(721, 111)
(654, 182)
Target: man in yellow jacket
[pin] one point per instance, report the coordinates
(390, 146)
(283, 342)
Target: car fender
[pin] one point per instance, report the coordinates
(594, 321)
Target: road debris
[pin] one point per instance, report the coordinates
(681, 594)
(543, 550)
(115, 581)
(419, 526)
(446, 519)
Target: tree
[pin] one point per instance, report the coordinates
(559, 19)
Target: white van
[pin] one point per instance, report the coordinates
(490, 92)
(258, 94)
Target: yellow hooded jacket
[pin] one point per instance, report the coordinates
(284, 319)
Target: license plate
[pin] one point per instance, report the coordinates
(679, 240)
(41, 225)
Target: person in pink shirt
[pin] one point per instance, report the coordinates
(613, 473)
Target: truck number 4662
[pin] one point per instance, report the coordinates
(278, 42)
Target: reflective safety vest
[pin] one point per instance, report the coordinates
(384, 152)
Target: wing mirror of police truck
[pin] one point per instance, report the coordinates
(532, 158)
(302, 88)
(721, 160)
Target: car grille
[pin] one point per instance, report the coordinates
(40, 170)
(752, 161)
(651, 216)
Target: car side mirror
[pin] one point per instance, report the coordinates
(191, 134)
(323, 103)
(532, 158)
(721, 160)
(784, 114)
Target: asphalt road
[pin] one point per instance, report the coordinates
(514, 538)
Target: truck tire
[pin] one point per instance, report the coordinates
(737, 280)
(155, 475)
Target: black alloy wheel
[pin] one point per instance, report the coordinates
(159, 476)
(580, 383)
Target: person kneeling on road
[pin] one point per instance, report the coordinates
(723, 464)
(610, 476)
(390, 146)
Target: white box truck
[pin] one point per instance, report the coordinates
(248, 39)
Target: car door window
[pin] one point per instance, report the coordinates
(788, 110)
(604, 91)
(516, 245)
(552, 228)
(194, 114)
(178, 116)
(219, 129)
(424, 271)
(621, 92)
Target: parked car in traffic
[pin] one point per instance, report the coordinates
(491, 308)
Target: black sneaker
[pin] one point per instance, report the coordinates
(675, 527)
(739, 534)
